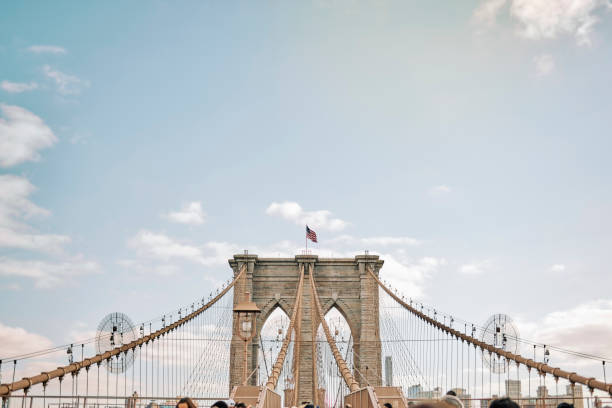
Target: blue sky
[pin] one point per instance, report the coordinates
(468, 143)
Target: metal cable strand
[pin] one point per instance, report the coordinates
(592, 383)
(278, 365)
(6, 389)
(344, 370)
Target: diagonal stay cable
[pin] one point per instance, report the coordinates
(6, 389)
(344, 370)
(592, 383)
(278, 365)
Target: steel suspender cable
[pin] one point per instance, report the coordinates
(147, 368)
(117, 380)
(98, 390)
(468, 368)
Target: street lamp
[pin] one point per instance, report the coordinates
(246, 316)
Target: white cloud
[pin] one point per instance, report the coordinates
(544, 64)
(486, 13)
(22, 135)
(557, 268)
(539, 19)
(475, 268)
(47, 274)
(292, 211)
(190, 214)
(410, 277)
(81, 332)
(66, 84)
(159, 246)
(17, 341)
(18, 87)
(163, 247)
(15, 208)
(440, 190)
(217, 253)
(48, 49)
(585, 328)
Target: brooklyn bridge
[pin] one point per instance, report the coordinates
(290, 331)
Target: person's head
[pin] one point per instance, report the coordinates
(387, 405)
(565, 405)
(451, 392)
(219, 404)
(503, 403)
(186, 403)
(241, 405)
(452, 400)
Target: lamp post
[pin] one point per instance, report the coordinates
(246, 316)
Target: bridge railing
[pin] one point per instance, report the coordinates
(541, 367)
(256, 396)
(362, 398)
(92, 401)
(74, 368)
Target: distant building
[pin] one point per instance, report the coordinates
(513, 389)
(417, 392)
(388, 371)
(573, 395)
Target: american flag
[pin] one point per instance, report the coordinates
(311, 235)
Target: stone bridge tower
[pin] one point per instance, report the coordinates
(343, 283)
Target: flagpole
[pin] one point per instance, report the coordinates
(306, 236)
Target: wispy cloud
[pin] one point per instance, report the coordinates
(47, 49)
(584, 327)
(15, 209)
(190, 214)
(475, 268)
(546, 19)
(439, 190)
(22, 135)
(293, 212)
(486, 13)
(16, 341)
(47, 274)
(18, 87)
(409, 277)
(160, 246)
(557, 268)
(544, 64)
(66, 84)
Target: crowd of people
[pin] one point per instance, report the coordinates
(450, 400)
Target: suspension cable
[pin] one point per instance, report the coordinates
(592, 383)
(344, 370)
(280, 359)
(6, 389)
